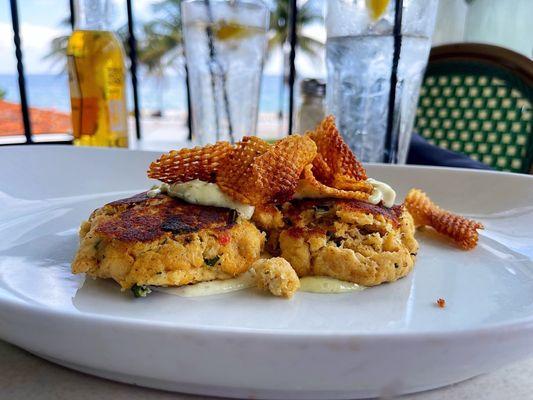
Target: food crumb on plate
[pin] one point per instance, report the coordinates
(441, 303)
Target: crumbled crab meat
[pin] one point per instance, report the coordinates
(277, 276)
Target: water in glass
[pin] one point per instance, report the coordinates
(360, 52)
(225, 44)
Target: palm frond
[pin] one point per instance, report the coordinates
(279, 28)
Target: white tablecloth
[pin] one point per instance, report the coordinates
(26, 377)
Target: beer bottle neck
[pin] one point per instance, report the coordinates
(92, 14)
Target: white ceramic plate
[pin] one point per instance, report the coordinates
(386, 340)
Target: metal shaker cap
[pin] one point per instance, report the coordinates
(313, 87)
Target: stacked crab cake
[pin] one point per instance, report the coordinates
(337, 224)
(348, 240)
(164, 241)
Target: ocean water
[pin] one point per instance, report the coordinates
(51, 91)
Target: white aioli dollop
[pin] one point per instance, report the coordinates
(382, 192)
(204, 194)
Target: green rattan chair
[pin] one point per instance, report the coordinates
(477, 99)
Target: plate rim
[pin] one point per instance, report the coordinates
(519, 324)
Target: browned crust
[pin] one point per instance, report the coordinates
(137, 198)
(392, 214)
(143, 219)
(297, 231)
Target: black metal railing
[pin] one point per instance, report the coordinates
(20, 71)
(132, 54)
(293, 13)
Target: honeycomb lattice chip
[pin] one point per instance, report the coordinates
(254, 172)
(188, 164)
(266, 175)
(310, 187)
(335, 164)
(462, 230)
(237, 165)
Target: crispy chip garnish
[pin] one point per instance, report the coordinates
(310, 187)
(188, 164)
(462, 230)
(254, 172)
(335, 164)
(237, 164)
(263, 174)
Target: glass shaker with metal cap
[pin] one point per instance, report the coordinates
(312, 107)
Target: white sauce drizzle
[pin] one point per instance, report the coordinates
(210, 288)
(204, 194)
(311, 284)
(325, 284)
(381, 191)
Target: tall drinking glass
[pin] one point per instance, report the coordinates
(225, 45)
(376, 57)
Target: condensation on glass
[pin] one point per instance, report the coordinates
(360, 52)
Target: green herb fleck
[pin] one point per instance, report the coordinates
(210, 262)
(321, 210)
(232, 216)
(332, 238)
(140, 290)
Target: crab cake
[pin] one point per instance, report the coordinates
(349, 240)
(166, 242)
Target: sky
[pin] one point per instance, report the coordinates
(41, 21)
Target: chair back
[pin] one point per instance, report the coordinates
(477, 99)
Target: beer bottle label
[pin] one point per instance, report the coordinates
(115, 95)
